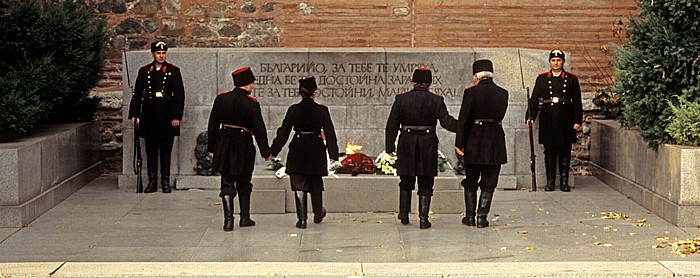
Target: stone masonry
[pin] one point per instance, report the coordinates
(585, 28)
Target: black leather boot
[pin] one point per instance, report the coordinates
(423, 211)
(165, 184)
(317, 205)
(550, 165)
(484, 207)
(165, 171)
(227, 202)
(301, 203)
(404, 206)
(564, 162)
(470, 204)
(152, 183)
(244, 202)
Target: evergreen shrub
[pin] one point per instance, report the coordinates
(662, 59)
(684, 126)
(51, 58)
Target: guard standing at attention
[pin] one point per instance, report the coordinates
(415, 113)
(481, 140)
(157, 106)
(235, 118)
(561, 116)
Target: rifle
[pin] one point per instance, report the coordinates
(138, 160)
(529, 128)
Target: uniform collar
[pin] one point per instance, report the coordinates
(163, 67)
(240, 91)
(562, 74)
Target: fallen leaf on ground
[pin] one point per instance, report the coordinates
(339, 250)
(661, 238)
(522, 232)
(513, 210)
(613, 215)
(686, 247)
(662, 245)
(504, 248)
(529, 248)
(380, 221)
(607, 245)
(597, 243)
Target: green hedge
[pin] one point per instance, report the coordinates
(661, 60)
(51, 58)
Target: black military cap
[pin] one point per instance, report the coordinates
(556, 53)
(482, 65)
(308, 83)
(159, 45)
(242, 77)
(422, 75)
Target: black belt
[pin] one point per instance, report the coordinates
(486, 122)
(307, 134)
(418, 129)
(558, 100)
(235, 127)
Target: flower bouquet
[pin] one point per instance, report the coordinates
(384, 164)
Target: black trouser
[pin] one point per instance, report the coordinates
(154, 147)
(425, 184)
(481, 176)
(240, 184)
(558, 150)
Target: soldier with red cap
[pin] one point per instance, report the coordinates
(306, 161)
(415, 113)
(157, 106)
(560, 117)
(481, 140)
(235, 118)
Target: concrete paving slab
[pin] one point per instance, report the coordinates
(28, 269)
(102, 223)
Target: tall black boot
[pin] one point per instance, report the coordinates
(152, 168)
(404, 206)
(550, 165)
(300, 198)
(165, 171)
(564, 161)
(244, 202)
(152, 182)
(165, 184)
(484, 207)
(470, 204)
(227, 202)
(423, 211)
(317, 205)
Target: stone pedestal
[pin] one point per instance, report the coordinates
(665, 181)
(45, 168)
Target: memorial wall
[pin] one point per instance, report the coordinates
(357, 84)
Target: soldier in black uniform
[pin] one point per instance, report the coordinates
(560, 117)
(306, 161)
(157, 106)
(416, 113)
(234, 120)
(481, 140)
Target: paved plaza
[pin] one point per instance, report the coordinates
(106, 231)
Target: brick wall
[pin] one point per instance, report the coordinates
(584, 28)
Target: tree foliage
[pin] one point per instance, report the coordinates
(661, 60)
(51, 58)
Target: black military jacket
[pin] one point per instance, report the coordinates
(158, 98)
(557, 119)
(234, 151)
(417, 153)
(480, 132)
(307, 152)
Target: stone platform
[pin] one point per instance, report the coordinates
(45, 168)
